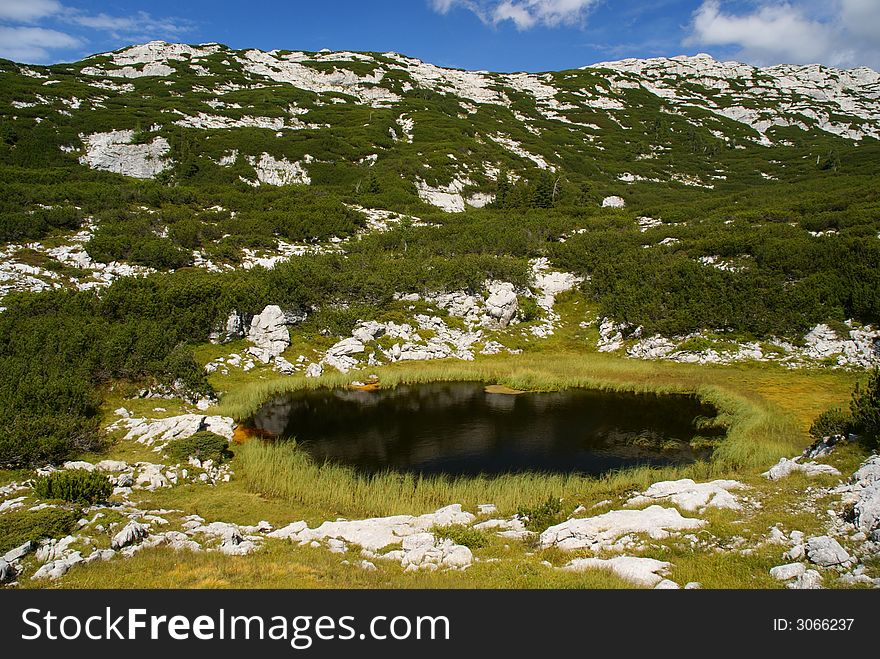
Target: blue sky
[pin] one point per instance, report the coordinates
(499, 35)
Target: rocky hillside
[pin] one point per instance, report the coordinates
(340, 211)
(329, 118)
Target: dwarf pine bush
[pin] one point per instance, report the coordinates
(77, 486)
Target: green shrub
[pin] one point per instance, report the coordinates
(19, 526)
(76, 485)
(462, 535)
(831, 422)
(865, 409)
(528, 309)
(202, 445)
(543, 515)
(695, 344)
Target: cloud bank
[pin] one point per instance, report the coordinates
(34, 31)
(842, 33)
(524, 14)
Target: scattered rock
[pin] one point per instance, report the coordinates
(512, 528)
(809, 580)
(112, 466)
(158, 432)
(377, 533)
(78, 466)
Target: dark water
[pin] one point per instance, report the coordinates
(458, 428)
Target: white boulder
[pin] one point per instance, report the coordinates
(601, 532)
(786, 467)
(825, 551)
(129, 535)
(691, 496)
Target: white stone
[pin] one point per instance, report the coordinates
(647, 572)
(376, 533)
(825, 551)
(600, 532)
(79, 465)
(787, 572)
(785, 467)
(113, 466)
(691, 496)
(130, 534)
(809, 580)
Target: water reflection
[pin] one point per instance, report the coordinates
(458, 428)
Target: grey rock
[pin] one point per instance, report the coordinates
(785, 467)
(809, 580)
(826, 551)
(130, 534)
(7, 572)
(787, 572)
(501, 305)
(19, 552)
(667, 584)
(866, 511)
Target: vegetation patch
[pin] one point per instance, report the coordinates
(19, 526)
(74, 485)
(203, 446)
(462, 535)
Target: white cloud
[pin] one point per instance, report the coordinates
(862, 18)
(26, 11)
(32, 44)
(837, 33)
(122, 27)
(524, 14)
(28, 29)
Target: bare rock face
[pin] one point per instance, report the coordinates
(269, 334)
(114, 152)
